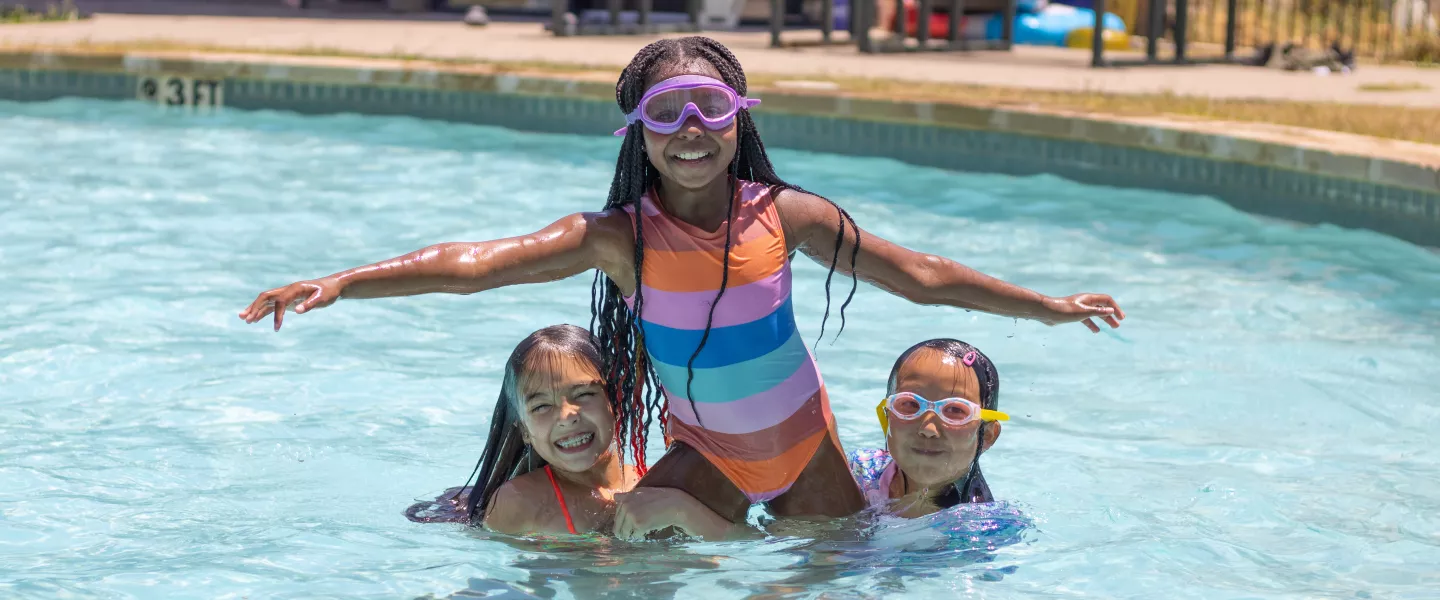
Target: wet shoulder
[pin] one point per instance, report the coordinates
(797, 212)
(521, 504)
(613, 233)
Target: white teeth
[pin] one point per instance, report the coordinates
(692, 155)
(576, 441)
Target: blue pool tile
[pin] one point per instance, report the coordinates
(1412, 213)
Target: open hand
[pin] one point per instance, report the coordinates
(646, 511)
(1084, 308)
(303, 296)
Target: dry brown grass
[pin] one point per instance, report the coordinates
(1425, 51)
(64, 11)
(1400, 123)
(1393, 86)
(1407, 123)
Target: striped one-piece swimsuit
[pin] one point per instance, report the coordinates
(760, 410)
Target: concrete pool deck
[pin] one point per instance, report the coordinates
(502, 42)
(1025, 67)
(515, 75)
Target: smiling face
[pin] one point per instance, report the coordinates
(564, 413)
(930, 452)
(694, 156)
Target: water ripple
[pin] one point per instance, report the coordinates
(1261, 427)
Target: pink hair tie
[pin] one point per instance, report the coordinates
(969, 359)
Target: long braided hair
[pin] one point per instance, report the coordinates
(638, 399)
(973, 488)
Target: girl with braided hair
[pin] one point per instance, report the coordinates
(691, 301)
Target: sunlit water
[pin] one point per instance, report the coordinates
(1264, 425)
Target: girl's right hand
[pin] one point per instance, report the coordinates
(303, 296)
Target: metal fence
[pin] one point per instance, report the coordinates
(1386, 30)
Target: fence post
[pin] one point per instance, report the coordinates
(1155, 30)
(558, 8)
(1097, 35)
(1182, 28)
(957, 10)
(1007, 29)
(827, 19)
(899, 20)
(1230, 8)
(862, 19)
(777, 21)
(922, 22)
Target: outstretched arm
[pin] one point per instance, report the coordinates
(572, 245)
(812, 225)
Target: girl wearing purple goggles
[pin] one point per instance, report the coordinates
(694, 313)
(665, 108)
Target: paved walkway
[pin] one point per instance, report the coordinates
(1044, 68)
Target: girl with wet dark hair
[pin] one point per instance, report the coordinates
(939, 414)
(691, 302)
(550, 464)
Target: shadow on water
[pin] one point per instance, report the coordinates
(873, 556)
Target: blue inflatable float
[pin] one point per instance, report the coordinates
(1037, 23)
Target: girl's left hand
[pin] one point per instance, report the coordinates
(644, 511)
(1083, 308)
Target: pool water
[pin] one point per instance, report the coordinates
(1262, 426)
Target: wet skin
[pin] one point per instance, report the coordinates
(698, 193)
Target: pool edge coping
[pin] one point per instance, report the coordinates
(1404, 164)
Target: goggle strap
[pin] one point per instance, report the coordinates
(993, 415)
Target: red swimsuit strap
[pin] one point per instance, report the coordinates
(561, 499)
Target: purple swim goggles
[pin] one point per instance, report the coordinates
(667, 105)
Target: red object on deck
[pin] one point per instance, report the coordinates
(939, 22)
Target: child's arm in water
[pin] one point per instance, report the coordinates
(570, 246)
(647, 510)
(812, 225)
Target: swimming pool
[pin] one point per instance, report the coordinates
(1262, 426)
